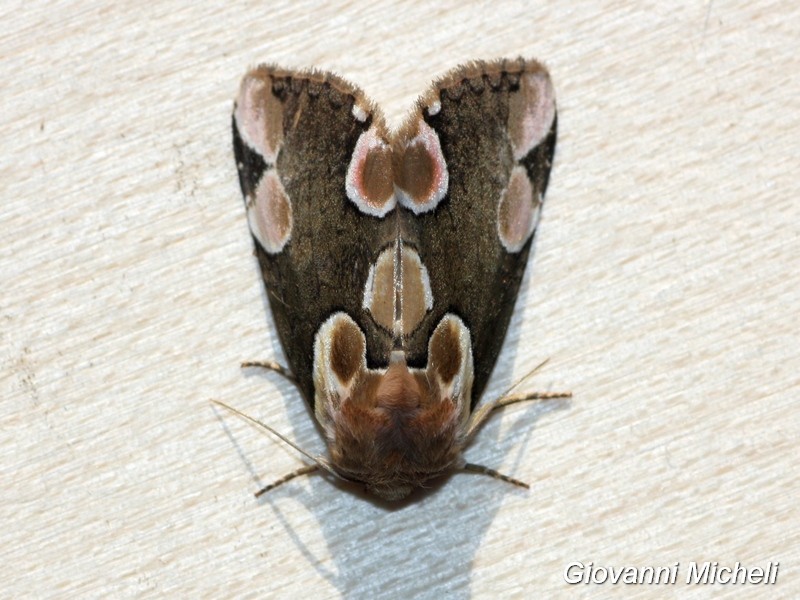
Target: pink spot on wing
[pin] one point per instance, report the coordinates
(369, 181)
(259, 117)
(269, 213)
(517, 211)
(531, 112)
(423, 178)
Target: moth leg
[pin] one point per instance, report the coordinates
(271, 365)
(482, 413)
(304, 470)
(481, 470)
(320, 463)
(479, 417)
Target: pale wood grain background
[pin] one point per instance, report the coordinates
(664, 288)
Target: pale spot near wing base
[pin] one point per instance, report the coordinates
(416, 296)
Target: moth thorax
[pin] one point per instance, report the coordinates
(396, 433)
(392, 428)
(398, 391)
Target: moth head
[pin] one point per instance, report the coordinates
(393, 429)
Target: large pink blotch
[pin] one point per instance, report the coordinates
(422, 175)
(369, 183)
(259, 118)
(531, 113)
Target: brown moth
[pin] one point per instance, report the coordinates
(392, 259)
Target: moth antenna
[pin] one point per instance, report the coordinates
(271, 365)
(525, 377)
(304, 470)
(278, 368)
(480, 469)
(319, 461)
(480, 416)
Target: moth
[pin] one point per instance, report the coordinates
(392, 259)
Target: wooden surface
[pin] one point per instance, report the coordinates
(663, 287)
